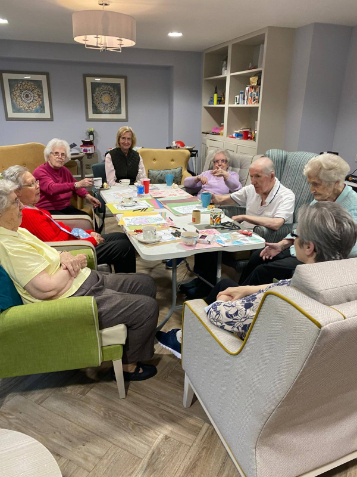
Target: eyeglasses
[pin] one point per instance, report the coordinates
(16, 202)
(59, 155)
(33, 184)
(293, 234)
(216, 161)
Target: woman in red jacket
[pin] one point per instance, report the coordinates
(114, 248)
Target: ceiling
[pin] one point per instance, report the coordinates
(204, 23)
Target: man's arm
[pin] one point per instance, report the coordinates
(273, 223)
(223, 199)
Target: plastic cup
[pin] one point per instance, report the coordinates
(169, 178)
(206, 199)
(146, 184)
(245, 135)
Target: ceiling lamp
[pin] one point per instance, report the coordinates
(104, 30)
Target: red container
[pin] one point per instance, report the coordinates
(245, 135)
(146, 184)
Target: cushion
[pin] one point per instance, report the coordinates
(330, 283)
(158, 177)
(9, 296)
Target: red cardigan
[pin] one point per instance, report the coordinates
(38, 222)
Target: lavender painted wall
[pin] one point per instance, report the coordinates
(345, 140)
(164, 93)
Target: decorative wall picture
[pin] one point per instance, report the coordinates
(106, 98)
(26, 96)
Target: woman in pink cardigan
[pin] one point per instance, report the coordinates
(218, 179)
(57, 183)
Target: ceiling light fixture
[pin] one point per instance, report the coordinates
(27, 77)
(3, 20)
(104, 30)
(174, 33)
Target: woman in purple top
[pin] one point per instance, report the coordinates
(57, 183)
(218, 179)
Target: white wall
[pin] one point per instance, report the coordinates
(164, 93)
(345, 140)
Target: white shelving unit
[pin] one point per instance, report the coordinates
(274, 47)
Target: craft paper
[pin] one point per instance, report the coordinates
(143, 220)
(169, 193)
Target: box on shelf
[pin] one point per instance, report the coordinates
(88, 160)
(87, 149)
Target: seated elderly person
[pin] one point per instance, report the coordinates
(218, 179)
(114, 249)
(40, 272)
(267, 203)
(57, 183)
(326, 175)
(325, 232)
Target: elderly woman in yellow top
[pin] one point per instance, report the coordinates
(123, 162)
(40, 272)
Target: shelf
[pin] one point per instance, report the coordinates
(247, 72)
(214, 105)
(244, 105)
(218, 77)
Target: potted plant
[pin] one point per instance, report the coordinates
(90, 132)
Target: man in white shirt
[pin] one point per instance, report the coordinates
(268, 203)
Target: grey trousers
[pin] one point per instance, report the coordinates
(129, 299)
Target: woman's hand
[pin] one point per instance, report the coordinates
(271, 250)
(72, 263)
(235, 293)
(201, 179)
(95, 202)
(84, 183)
(221, 173)
(99, 239)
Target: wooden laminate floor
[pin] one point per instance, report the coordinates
(79, 417)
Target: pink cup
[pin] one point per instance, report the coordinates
(146, 184)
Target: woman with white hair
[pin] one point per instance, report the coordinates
(57, 183)
(218, 179)
(326, 175)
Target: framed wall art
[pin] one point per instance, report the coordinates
(106, 98)
(27, 96)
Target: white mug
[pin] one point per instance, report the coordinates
(149, 232)
(128, 201)
(97, 182)
(124, 182)
(216, 216)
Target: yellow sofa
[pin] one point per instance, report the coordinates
(31, 156)
(158, 159)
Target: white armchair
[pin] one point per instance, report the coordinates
(283, 401)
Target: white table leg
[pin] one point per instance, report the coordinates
(173, 307)
(219, 267)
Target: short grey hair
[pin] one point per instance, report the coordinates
(328, 168)
(57, 143)
(329, 227)
(268, 165)
(15, 174)
(212, 154)
(6, 187)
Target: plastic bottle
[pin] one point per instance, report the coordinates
(215, 97)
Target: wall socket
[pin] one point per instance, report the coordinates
(356, 158)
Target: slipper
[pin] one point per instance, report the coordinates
(148, 371)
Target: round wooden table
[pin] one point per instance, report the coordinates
(22, 455)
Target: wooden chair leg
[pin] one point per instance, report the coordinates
(188, 393)
(118, 370)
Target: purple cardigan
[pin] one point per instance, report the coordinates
(56, 187)
(217, 185)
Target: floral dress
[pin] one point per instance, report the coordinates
(237, 316)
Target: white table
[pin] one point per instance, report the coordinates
(175, 250)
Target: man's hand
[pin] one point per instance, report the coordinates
(271, 250)
(239, 218)
(234, 293)
(73, 264)
(95, 202)
(99, 239)
(221, 173)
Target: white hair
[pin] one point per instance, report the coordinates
(267, 165)
(6, 187)
(328, 168)
(15, 174)
(57, 143)
(213, 153)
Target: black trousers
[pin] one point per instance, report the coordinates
(260, 272)
(205, 264)
(117, 250)
(70, 210)
(221, 286)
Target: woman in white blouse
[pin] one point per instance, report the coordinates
(123, 162)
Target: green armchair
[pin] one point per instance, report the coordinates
(58, 335)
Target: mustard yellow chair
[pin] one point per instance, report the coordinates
(30, 155)
(159, 159)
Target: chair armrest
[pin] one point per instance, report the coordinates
(273, 235)
(47, 336)
(77, 247)
(80, 221)
(231, 210)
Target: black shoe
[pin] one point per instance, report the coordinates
(192, 284)
(178, 263)
(148, 371)
(201, 291)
